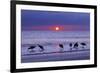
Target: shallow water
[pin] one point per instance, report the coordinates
(50, 41)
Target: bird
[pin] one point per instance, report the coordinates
(83, 44)
(70, 44)
(61, 47)
(31, 48)
(76, 45)
(41, 47)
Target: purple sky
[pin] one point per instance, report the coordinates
(47, 20)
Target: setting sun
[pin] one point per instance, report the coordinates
(57, 28)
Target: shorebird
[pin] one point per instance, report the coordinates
(41, 47)
(70, 44)
(31, 48)
(61, 46)
(83, 44)
(76, 45)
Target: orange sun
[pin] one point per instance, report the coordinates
(57, 28)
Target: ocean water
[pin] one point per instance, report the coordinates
(50, 41)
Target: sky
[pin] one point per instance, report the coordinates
(51, 20)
